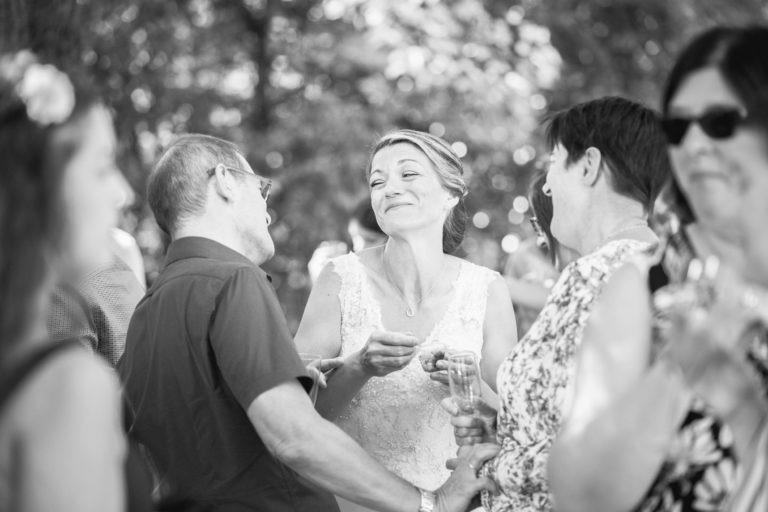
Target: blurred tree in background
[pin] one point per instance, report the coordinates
(305, 87)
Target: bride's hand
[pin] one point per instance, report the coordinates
(386, 352)
(432, 359)
(472, 426)
(464, 484)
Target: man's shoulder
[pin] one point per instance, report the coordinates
(210, 270)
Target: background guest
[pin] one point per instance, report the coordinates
(97, 308)
(531, 270)
(363, 230)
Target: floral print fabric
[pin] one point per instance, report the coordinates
(700, 471)
(534, 381)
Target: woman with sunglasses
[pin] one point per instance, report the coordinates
(669, 404)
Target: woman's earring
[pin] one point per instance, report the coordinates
(547, 191)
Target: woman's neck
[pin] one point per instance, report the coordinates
(617, 227)
(414, 265)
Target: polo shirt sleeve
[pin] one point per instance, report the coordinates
(250, 338)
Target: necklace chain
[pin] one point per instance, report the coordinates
(410, 311)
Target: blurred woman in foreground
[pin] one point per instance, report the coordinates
(672, 417)
(61, 446)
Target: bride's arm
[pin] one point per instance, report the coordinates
(499, 331)
(320, 333)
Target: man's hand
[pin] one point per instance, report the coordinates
(458, 491)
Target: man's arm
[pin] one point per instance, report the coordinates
(319, 451)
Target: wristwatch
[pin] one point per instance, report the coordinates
(428, 500)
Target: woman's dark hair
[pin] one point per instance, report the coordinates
(365, 215)
(541, 205)
(450, 172)
(32, 220)
(740, 54)
(629, 137)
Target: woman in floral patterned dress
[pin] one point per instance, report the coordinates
(607, 166)
(641, 436)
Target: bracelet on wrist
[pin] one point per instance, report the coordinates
(428, 500)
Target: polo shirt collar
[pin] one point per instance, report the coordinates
(200, 247)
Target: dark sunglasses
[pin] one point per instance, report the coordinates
(265, 184)
(717, 123)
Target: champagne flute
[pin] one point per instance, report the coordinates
(464, 380)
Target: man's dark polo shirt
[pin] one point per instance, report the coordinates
(205, 341)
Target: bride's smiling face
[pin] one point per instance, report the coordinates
(406, 192)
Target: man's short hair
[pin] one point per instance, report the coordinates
(629, 137)
(178, 185)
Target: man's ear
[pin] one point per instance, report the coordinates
(593, 165)
(223, 182)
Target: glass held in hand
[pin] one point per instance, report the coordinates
(464, 380)
(312, 363)
(696, 291)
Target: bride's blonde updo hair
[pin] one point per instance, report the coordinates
(450, 172)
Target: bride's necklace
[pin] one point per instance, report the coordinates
(410, 311)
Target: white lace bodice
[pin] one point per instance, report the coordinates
(398, 419)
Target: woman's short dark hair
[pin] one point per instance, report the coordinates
(32, 219)
(740, 54)
(629, 137)
(450, 172)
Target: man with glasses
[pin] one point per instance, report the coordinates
(212, 379)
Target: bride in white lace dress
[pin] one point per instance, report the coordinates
(379, 308)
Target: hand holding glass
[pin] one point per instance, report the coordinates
(464, 380)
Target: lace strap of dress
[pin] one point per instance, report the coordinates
(357, 309)
(472, 288)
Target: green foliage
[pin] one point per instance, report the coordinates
(306, 86)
